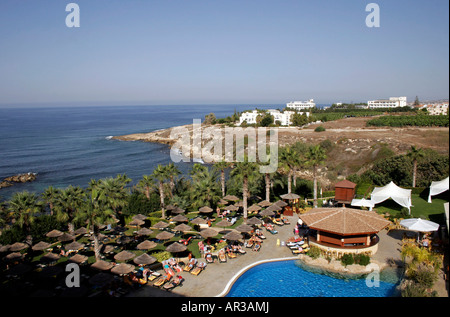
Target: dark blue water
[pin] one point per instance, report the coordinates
(69, 146)
(288, 279)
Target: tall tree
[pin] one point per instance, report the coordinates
(160, 174)
(415, 154)
(245, 170)
(25, 207)
(205, 190)
(67, 203)
(49, 196)
(221, 167)
(289, 162)
(146, 183)
(172, 172)
(314, 158)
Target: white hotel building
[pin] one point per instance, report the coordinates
(393, 102)
(301, 105)
(283, 117)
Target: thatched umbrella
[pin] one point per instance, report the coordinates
(136, 222)
(78, 258)
(140, 217)
(281, 203)
(146, 245)
(254, 208)
(123, 269)
(165, 235)
(244, 228)
(253, 221)
(274, 207)
(170, 207)
(290, 196)
(161, 225)
(264, 203)
(54, 234)
(50, 257)
(66, 237)
(101, 279)
(4, 248)
(199, 221)
(232, 236)
(14, 256)
(81, 230)
(144, 232)
(102, 265)
(177, 210)
(124, 255)
(267, 213)
(206, 209)
(18, 246)
(222, 202)
(180, 218)
(176, 247)
(40, 246)
(239, 204)
(144, 259)
(224, 223)
(208, 233)
(231, 197)
(231, 208)
(183, 228)
(74, 246)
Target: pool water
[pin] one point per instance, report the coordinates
(289, 279)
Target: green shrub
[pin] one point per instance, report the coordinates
(362, 259)
(162, 256)
(319, 129)
(347, 259)
(314, 252)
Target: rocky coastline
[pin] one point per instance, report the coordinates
(19, 178)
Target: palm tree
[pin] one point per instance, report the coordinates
(25, 207)
(98, 211)
(205, 190)
(112, 192)
(172, 172)
(68, 202)
(222, 166)
(49, 196)
(314, 158)
(289, 161)
(146, 183)
(160, 174)
(415, 154)
(245, 170)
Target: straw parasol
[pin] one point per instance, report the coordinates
(177, 210)
(180, 218)
(233, 236)
(54, 234)
(136, 222)
(78, 258)
(146, 245)
(123, 269)
(208, 233)
(144, 232)
(161, 225)
(253, 221)
(264, 203)
(231, 197)
(267, 213)
(140, 217)
(176, 247)
(290, 196)
(222, 202)
(183, 228)
(124, 255)
(144, 259)
(14, 256)
(274, 207)
(66, 237)
(18, 246)
(4, 248)
(244, 228)
(280, 203)
(75, 246)
(50, 257)
(81, 230)
(199, 221)
(41, 246)
(224, 223)
(239, 204)
(254, 208)
(231, 208)
(102, 265)
(206, 209)
(165, 235)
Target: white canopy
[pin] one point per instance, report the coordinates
(417, 224)
(446, 213)
(400, 195)
(363, 203)
(437, 187)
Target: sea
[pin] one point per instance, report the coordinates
(72, 145)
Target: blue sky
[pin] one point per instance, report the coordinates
(221, 52)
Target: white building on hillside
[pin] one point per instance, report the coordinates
(249, 117)
(285, 117)
(301, 105)
(393, 102)
(437, 108)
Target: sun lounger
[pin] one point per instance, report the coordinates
(222, 257)
(231, 254)
(209, 258)
(200, 267)
(177, 281)
(190, 265)
(161, 280)
(285, 221)
(256, 247)
(278, 222)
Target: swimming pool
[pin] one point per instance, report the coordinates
(290, 279)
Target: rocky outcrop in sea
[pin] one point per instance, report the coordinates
(19, 178)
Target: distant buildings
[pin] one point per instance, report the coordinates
(284, 118)
(392, 102)
(439, 108)
(301, 105)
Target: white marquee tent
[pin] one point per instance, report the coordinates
(438, 187)
(400, 195)
(362, 203)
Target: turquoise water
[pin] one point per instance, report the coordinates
(289, 279)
